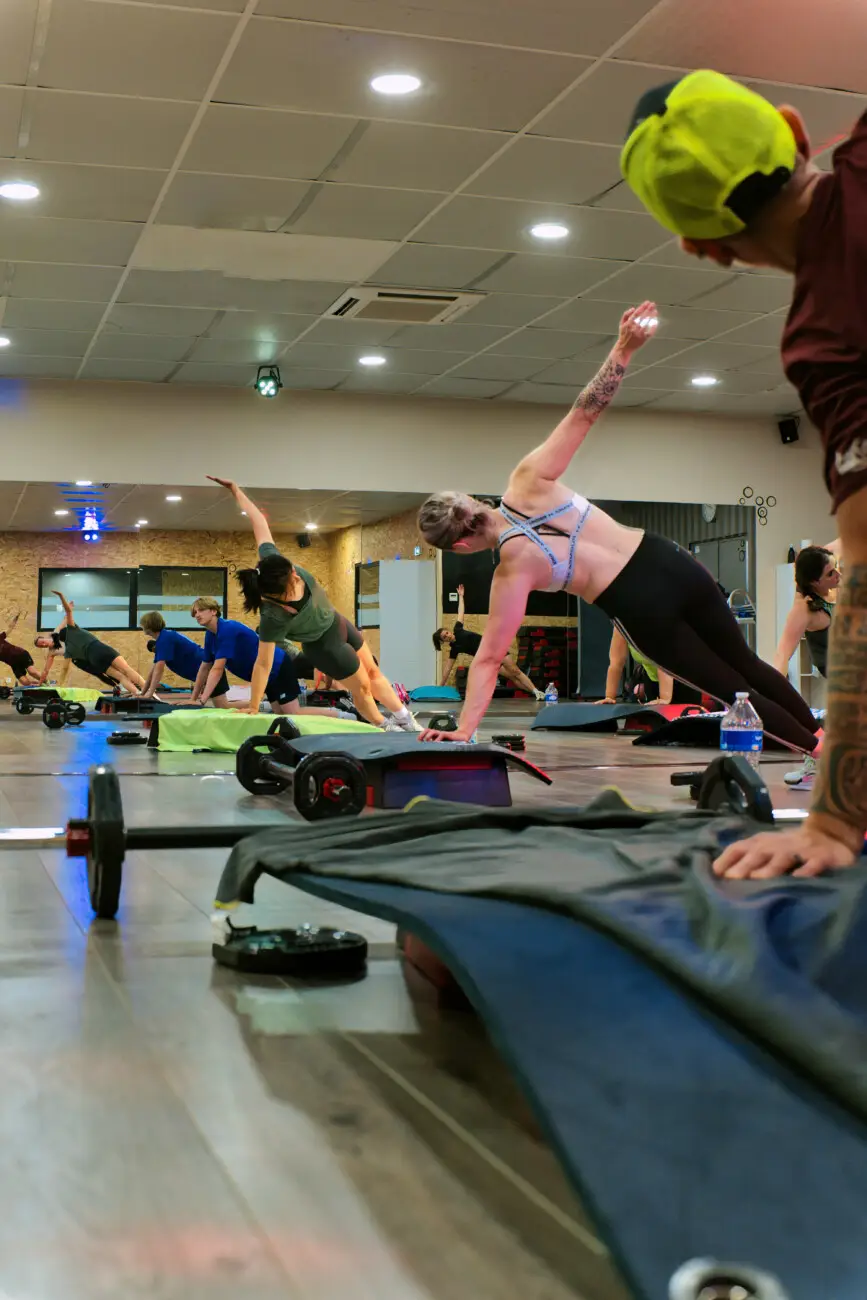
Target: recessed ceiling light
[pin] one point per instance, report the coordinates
(174, 498)
(185, 575)
(311, 528)
(549, 230)
(21, 191)
(704, 381)
(244, 513)
(84, 482)
(395, 83)
(140, 523)
(61, 512)
(371, 361)
(4, 341)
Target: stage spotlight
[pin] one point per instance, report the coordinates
(268, 381)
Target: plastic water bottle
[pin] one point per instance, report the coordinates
(552, 695)
(740, 731)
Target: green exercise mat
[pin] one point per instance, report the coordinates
(76, 694)
(224, 730)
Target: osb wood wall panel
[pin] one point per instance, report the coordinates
(23, 554)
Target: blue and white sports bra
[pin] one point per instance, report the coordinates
(524, 526)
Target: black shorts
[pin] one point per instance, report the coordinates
(99, 658)
(21, 663)
(335, 652)
(283, 686)
(221, 688)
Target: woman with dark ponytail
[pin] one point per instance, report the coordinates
(293, 606)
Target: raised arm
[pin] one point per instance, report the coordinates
(551, 460)
(461, 610)
(793, 631)
(261, 529)
(68, 615)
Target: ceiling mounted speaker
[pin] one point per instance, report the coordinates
(788, 428)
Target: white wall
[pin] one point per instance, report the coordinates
(130, 433)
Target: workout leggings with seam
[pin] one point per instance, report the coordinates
(671, 609)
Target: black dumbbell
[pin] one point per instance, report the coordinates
(729, 784)
(59, 713)
(514, 741)
(322, 785)
(443, 722)
(23, 706)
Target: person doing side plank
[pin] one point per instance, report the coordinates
(461, 642)
(86, 651)
(293, 606)
(552, 539)
(18, 659)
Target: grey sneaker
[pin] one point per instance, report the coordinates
(409, 724)
(389, 724)
(802, 777)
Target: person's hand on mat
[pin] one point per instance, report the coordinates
(637, 325)
(455, 736)
(607, 700)
(807, 851)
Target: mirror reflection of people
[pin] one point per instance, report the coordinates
(19, 660)
(86, 652)
(618, 654)
(461, 641)
(552, 539)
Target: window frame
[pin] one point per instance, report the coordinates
(132, 576)
(178, 568)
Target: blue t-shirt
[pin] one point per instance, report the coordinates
(239, 646)
(179, 653)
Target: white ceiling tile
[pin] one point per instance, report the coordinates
(262, 142)
(324, 69)
(829, 114)
(44, 367)
(677, 377)
(382, 382)
(410, 156)
(550, 26)
(121, 194)
(133, 370)
(142, 347)
(660, 284)
(631, 394)
(533, 342)
(17, 24)
(459, 386)
(127, 49)
(782, 400)
(303, 377)
(11, 103)
(720, 354)
(750, 293)
(538, 273)
(454, 338)
(351, 333)
(714, 403)
(117, 132)
(428, 267)
(504, 223)
(354, 211)
(620, 198)
(206, 376)
(764, 331)
(550, 171)
(820, 48)
(259, 326)
(46, 239)
(576, 373)
(771, 364)
(600, 108)
(657, 349)
(511, 309)
(493, 366)
(230, 202)
(595, 315)
(48, 343)
(406, 360)
(258, 352)
(42, 314)
(553, 394)
(210, 289)
(221, 6)
(60, 282)
(174, 321)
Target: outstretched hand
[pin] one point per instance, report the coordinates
(224, 482)
(460, 737)
(806, 851)
(637, 325)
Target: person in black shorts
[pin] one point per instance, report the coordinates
(86, 652)
(18, 659)
(463, 642)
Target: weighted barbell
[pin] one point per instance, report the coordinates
(102, 838)
(322, 785)
(62, 713)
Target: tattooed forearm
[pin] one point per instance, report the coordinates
(601, 389)
(842, 789)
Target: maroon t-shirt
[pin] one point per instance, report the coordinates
(9, 653)
(825, 337)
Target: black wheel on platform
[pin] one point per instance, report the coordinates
(75, 714)
(329, 785)
(5, 692)
(54, 715)
(23, 707)
(249, 767)
(285, 727)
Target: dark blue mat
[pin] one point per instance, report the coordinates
(682, 1137)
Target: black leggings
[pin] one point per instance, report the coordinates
(671, 609)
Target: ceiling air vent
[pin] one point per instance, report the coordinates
(403, 306)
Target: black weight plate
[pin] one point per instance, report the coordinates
(5, 692)
(514, 741)
(54, 715)
(285, 727)
(75, 714)
(23, 706)
(127, 738)
(443, 722)
(107, 841)
(249, 764)
(329, 785)
(307, 951)
(731, 785)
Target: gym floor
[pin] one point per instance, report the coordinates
(172, 1130)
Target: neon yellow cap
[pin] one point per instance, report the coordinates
(693, 144)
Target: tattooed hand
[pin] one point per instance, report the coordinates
(637, 325)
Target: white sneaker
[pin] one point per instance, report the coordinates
(389, 724)
(539, 696)
(802, 776)
(410, 723)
